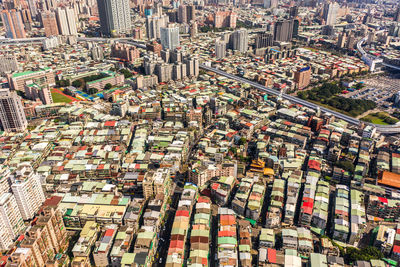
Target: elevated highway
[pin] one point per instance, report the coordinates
(390, 129)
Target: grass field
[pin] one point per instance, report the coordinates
(381, 118)
(60, 98)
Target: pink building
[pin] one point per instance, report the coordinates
(13, 24)
(125, 52)
(223, 19)
(34, 91)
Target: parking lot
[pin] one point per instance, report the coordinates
(378, 89)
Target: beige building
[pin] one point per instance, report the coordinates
(43, 76)
(11, 222)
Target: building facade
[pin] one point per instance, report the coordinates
(12, 116)
(170, 37)
(11, 222)
(27, 190)
(13, 24)
(114, 16)
(49, 23)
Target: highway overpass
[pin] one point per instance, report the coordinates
(363, 53)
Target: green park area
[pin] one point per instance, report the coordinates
(381, 118)
(328, 95)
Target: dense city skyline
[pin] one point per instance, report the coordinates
(200, 133)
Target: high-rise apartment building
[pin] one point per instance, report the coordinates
(97, 53)
(351, 41)
(264, 40)
(302, 77)
(11, 222)
(182, 17)
(42, 241)
(14, 26)
(186, 13)
(170, 36)
(220, 48)
(283, 30)
(66, 21)
(27, 189)
(270, 3)
(239, 40)
(4, 179)
(12, 116)
(192, 66)
(115, 17)
(128, 53)
(330, 13)
(154, 24)
(32, 8)
(225, 19)
(154, 47)
(341, 40)
(49, 23)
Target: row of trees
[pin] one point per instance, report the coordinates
(327, 94)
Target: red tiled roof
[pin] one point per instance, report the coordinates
(184, 213)
(271, 255)
(313, 164)
(382, 199)
(110, 123)
(226, 233)
(109, 232)
(176, 244)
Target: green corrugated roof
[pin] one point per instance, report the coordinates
(227, 240)
(19, 74)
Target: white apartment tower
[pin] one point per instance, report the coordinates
(220, 48)
(154, 25)
(240, 40)
(115, 16)
(170, 37)
(27, 189)
(330, 13)
(11, 222)
(66, 21)
(12, 115)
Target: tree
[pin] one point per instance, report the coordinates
(63, 83)
(345, 165)
(68, 92)
(365, 254)
(93, 91)
(127, 74)
(242, 141)
(77, 83)
(108, 86)
(359, 86)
